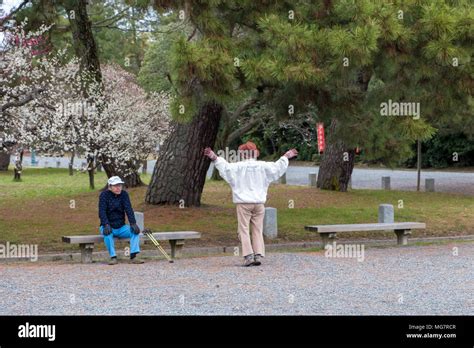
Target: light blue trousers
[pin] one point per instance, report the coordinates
(123, 232)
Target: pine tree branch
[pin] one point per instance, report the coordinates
(114, 18)
(243, 107)
(126, 30)
(242, 130)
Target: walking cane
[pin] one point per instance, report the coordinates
(149, 234)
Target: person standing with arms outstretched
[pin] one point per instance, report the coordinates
(249, 180)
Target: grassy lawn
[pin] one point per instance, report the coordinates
(38, 210)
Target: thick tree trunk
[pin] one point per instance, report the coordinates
(180, 172)
(4, 160)
(337, 163)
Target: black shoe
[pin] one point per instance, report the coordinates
(248, 260)
(257, 260)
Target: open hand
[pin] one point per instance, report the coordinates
(209, 153)
(291, 153)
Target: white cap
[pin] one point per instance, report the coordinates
(115, 180)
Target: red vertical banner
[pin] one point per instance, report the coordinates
(320, 133)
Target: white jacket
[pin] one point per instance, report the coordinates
(249, 179)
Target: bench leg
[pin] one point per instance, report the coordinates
(86, 252)
(176, 247)
(327, 238)
(402, 236)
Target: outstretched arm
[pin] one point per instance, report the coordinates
(224, 168)
(275, 170)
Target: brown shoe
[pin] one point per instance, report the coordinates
(113, 261)
(136, 261)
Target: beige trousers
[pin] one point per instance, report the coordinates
(251, 215)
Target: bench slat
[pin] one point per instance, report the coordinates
(85, 239)
(366, 227)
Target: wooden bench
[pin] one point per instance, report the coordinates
(176, 239)
(401, 229)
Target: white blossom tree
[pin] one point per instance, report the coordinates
(32, 80)
(132, 123)
(115, 122)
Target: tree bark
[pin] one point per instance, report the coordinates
(337, 163)
(18, 166)
(90, 171)
(180, 172)
(71, 164)
(4, 160)
(83, 38)
(131, 180)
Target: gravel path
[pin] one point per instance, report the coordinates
(415, 280)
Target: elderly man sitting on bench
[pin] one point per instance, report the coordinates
(114, 203)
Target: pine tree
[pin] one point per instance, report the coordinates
(344, 58)
(207, 78)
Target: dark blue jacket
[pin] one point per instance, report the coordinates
(112, 209)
